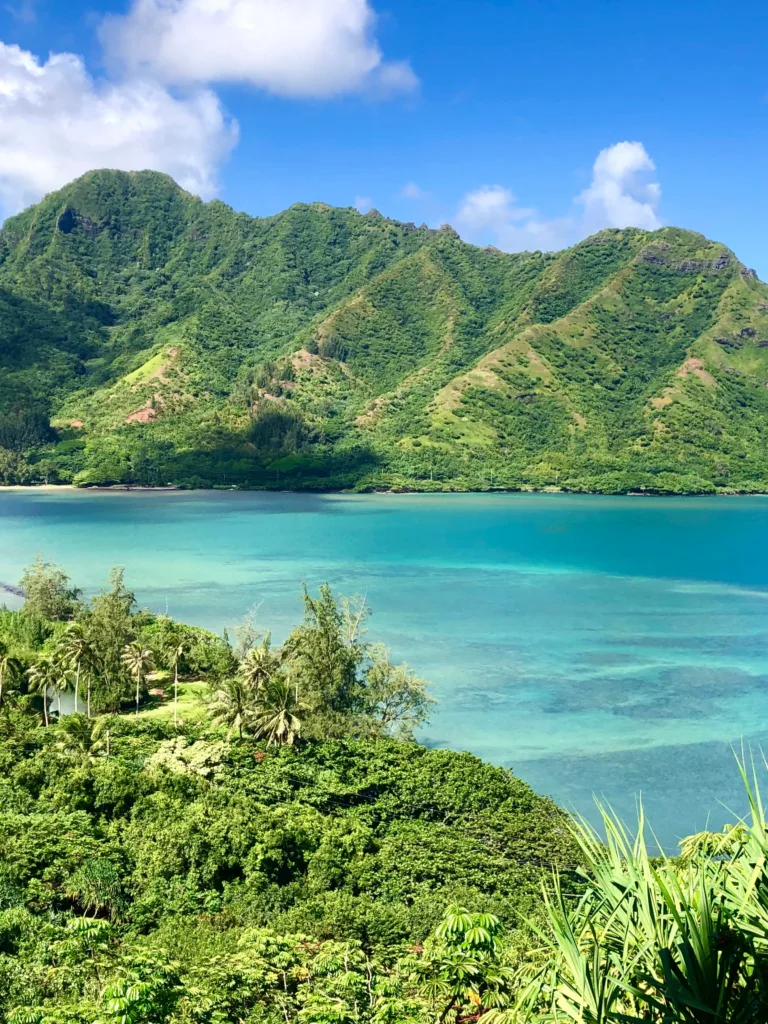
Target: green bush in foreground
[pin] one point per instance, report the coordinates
(282, 851)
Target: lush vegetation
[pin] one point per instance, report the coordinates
(149, 338)
(227, 831)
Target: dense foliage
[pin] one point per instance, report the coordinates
(655, 939)
(269, 845)
(149, 338)
(240, 833)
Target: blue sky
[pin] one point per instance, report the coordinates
(490, 116)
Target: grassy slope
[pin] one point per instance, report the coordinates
(170, 340)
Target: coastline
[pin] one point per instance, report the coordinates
(71, 487)
(174, 489)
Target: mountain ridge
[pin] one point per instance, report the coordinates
(148, 337)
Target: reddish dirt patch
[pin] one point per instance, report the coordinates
(303, 359)
(143, 415)
(77, 424)
(696, 367)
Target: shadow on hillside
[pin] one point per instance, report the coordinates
(160, 463)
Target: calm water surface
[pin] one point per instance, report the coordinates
(594, 645)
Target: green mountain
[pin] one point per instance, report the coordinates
(148, 337)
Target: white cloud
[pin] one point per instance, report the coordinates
(620, 194)
(491, 211)
(155, 110)
(412, 191)
(363, 204)
(24, 11)
(56, 122)
(296, 48)
(392, 77)
(490, 206)
(534, 233)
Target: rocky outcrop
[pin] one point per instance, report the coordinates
(70, 219)
(653, 254)
(720, 263)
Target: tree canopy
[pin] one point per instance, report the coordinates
(249, 834)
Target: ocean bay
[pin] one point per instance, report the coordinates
(592, 644)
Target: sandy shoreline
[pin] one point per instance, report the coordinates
(138, 488)
(84, 490)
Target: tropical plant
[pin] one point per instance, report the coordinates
(177, 755)
(232, 704)
(276, 709)
(144, 992)
(43, 676)
(62, 678)
(260, 663)
(657, 939)
(138, 660)
(77, 652)
(10, 671)
(326, 653)
(396, 699)
(48, 591)
(109, 626)
(462, 965)
(175, 651)
(81, 736)
(97, 887)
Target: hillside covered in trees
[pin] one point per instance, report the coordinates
(147, 337)
(224, 831)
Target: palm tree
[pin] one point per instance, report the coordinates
(177, 649)
(89, 668)
(80, 736)
(275, 712)
(97, 887)
(62, 679)
(10, 670)
(76, 650)
(232, 704)
(43, 676)
(138, 661)
(260, 664)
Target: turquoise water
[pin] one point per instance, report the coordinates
(594, 645)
